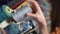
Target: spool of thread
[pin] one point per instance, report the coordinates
(4, 24)
(24, 3)
(20, 14)
(5, 12)
(15, 3)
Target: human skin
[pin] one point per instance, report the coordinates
(1, 30)
(38, 15)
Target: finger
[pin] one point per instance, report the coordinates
(34, 4)
(31, 15)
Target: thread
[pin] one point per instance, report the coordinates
(4, 24)
(20, 14)
(5, 12)
(24, 3)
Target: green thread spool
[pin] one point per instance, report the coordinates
(5, 13)
(24, 3)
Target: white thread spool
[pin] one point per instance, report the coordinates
(20, 14)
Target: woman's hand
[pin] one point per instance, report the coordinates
(38, 15)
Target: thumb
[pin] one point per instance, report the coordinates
(31, 15)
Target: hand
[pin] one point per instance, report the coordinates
(38, 15)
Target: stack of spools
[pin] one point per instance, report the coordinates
(19, 16)
(31, 24)
(5, 13)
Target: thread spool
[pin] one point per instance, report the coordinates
(5, 12)
(20, 14)
(24, 3)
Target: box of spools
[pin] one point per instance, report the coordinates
(13, 18)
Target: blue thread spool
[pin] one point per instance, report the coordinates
(20, 14)
(5, 13)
